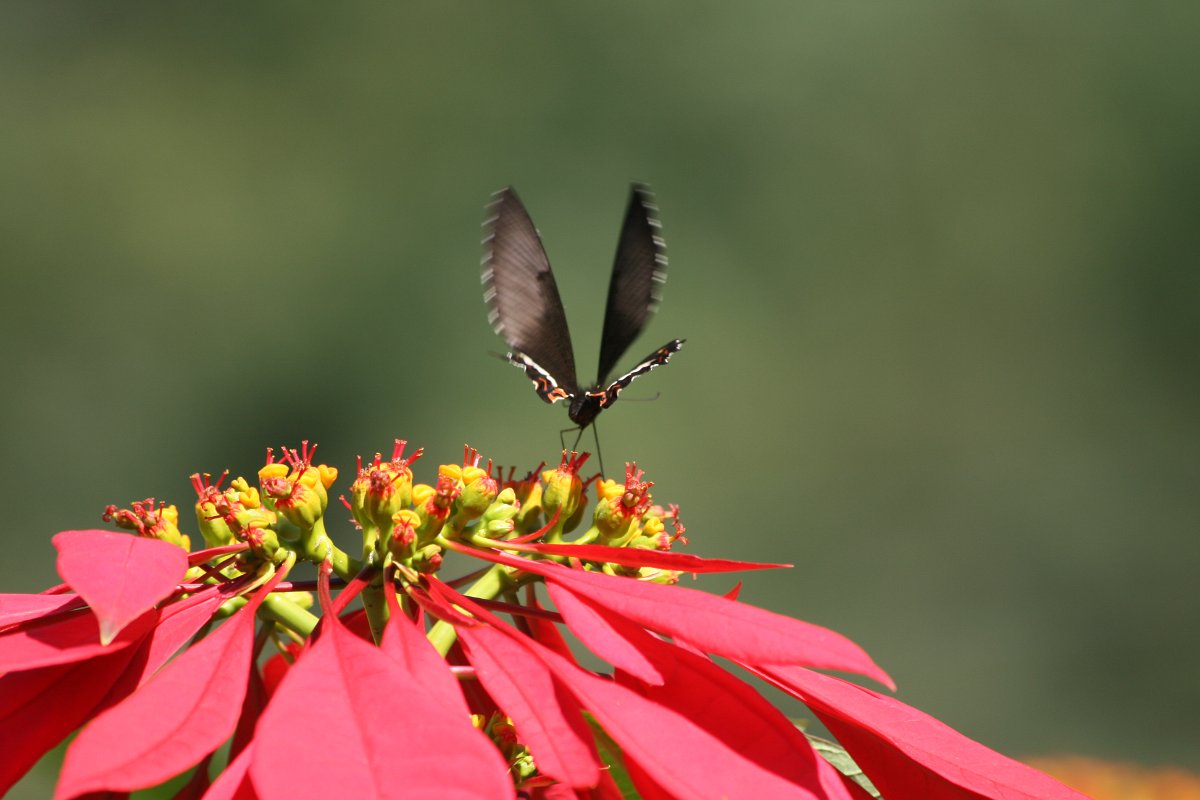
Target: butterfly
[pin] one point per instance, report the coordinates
(525, 309)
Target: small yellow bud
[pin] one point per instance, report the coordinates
(422, 493)
(276, 470)
(328, 475)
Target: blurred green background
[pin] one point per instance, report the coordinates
(936, 264)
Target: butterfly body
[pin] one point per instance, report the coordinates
(525, 308)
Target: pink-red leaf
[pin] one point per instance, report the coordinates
(201, 556)
(906, 752)
(380, 735)
(40, 707)
(547, 718)
(545, 714)
(357, 623)
(119, 575)
(641, 557)
(253, 705)
(177, 718)
(606, 636)
(678, 754)
(727, 708)
(177, 624)
(277, 666)
(546, 632)
(15, 608)
(411, 649)
(64, 639)
(714, 624)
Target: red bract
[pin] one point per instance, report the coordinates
(181, 715)
(546, 716)
(452, 702)
(64, 639)
(40, 707)
(714, 624)
(908, 753)
(380, 734)
(545, 632)
(177, 623)
(407, 646)
(119, 576)
(640, 557)
(678, 754)
(15, 608)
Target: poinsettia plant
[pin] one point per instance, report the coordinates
(400, 680)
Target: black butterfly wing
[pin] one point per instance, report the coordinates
(522, 297)
(639, 271)
(656, 359)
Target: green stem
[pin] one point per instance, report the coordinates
(231, 607)
(588, 536)
(370, 542)
(555, 534)
(286, 613)
(316, 545)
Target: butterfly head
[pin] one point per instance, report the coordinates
(585, 406)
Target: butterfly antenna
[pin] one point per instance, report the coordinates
(626, 398)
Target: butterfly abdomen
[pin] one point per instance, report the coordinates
(584, 408)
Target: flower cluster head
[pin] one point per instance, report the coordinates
(234, 514)
(151, 519)
(622, 506)
(438, 664)
(381, 488)
(295, 487)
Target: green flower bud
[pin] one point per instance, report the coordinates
(529, 517)
(479, 492)
(564, 488)
(620, 507)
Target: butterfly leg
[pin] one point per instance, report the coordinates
(575, 446)
(599, 457)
